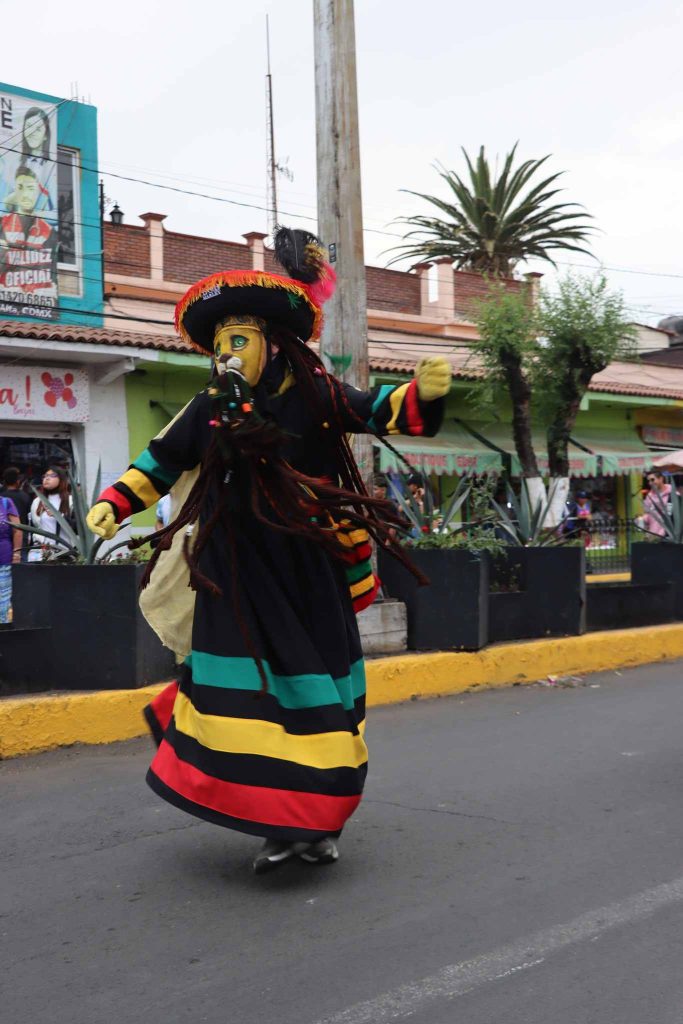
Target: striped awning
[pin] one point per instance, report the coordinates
(452, 453)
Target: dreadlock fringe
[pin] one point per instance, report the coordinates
(244, 279)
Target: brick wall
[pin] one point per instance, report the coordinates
(187, 258)
(126, 250)
(471, 288)
(393, 290)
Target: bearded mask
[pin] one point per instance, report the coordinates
(241, 336)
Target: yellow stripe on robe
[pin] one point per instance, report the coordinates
(362, 587)
(268, 739)
(141, 486)
(396, 401)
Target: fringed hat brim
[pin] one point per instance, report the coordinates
(278, 300)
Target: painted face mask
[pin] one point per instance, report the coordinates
(241, 336)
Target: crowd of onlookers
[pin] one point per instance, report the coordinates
(20, 506)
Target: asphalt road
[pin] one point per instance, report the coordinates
(518, 859)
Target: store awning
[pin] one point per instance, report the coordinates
(452, 453)
(619, 452)
(499, 436)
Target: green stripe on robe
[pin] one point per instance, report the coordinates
(146, 463)
(304, 691)
(382, 394)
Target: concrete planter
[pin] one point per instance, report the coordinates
(659, 562)
(452, 613)
(91, 633)
(545, 593)
(629, 605)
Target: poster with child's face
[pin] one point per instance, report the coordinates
(28, 208)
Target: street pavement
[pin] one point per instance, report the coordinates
(518, 859)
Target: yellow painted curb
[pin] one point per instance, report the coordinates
(609, 577)
(32, 724)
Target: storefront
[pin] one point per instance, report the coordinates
(43, 415)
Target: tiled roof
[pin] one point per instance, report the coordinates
(41, 331)
(389, 353)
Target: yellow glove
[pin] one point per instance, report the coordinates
(433, 376)
(101, 520)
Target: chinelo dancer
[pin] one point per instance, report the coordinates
(256, 580)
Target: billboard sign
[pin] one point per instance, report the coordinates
(29, 208)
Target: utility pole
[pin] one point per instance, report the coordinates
(270, 128)
(344, 344)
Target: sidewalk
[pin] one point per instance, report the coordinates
(45, 721)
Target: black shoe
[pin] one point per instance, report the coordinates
(272, 855)
(323, 852)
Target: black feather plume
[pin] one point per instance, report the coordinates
(300, 253)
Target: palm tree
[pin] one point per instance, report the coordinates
(493, 223)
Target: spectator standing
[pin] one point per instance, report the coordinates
(578, 514)
(11, 479)
(54, 495)
(10, 553)
(657, 500)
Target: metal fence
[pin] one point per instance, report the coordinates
(608, 544)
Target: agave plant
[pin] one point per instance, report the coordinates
(525, 526)
(491, 223)
(429, 520)
(668, 511)
(74, 544)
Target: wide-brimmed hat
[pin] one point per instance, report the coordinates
(294, 302)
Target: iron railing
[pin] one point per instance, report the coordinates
(607, 540)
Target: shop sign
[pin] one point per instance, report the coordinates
(448, 463)
(664, 437)
(35, 393)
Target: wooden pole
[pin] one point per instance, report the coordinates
(344, 345)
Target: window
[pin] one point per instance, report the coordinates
(69, 208)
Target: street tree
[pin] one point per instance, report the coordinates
(584, 328)
(506, 348)
(495, 221)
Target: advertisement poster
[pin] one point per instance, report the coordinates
(28, 208)
(44, 393)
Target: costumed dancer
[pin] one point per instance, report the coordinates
(256, 580)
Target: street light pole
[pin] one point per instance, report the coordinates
(344, 345)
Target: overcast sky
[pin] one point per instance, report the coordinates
(180, 91)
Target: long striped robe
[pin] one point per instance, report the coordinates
(289, 764)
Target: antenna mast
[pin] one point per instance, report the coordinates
(271, 202)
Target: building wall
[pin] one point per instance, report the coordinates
(188, 258)
(170, 386)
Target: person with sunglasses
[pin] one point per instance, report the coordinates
(657, 501)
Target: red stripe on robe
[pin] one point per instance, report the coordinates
(120, 503)
(283, 807)
(414, 420)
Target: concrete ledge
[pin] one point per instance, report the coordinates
(31, 724)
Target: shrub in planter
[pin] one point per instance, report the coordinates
(452, 612)
(81, 607)
(538, 583)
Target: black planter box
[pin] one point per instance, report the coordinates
(452, 613)
(659, 562)
(89, 627)
(629, 605)
(544, 595)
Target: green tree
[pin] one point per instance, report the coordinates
(584, 328)
(493, 222)
(507, 346)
